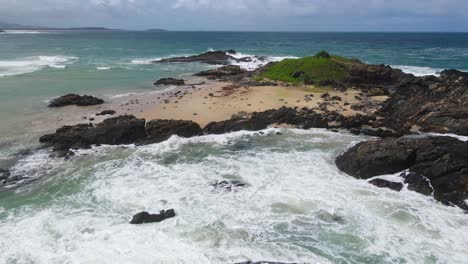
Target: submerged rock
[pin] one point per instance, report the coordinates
(381, 183)
(440, 161)
(74, 99)
(228, 185)
(145, 217)
(160, 130)
(4, 174)
(170, 81)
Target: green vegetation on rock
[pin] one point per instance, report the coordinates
(308, 70)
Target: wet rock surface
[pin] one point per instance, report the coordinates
(161, 130)
(440, 161)
(112, 131)
(381, 183)
(145, 217)
(74, 99)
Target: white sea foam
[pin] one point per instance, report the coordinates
(255, 61)
(418, 71)
(103, 68)
(297, 207)
(144, 61)
(32, 64)
(459, 137)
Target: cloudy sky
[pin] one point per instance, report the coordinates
(243, 15)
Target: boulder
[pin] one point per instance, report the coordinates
(145, 217)
(442, 161)
(169, 81)
(381, 183)
(74, 99)
(160, 130)
(112, 131)
(106, 112)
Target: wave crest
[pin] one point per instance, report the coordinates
(32, 64)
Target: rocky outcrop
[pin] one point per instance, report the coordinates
(145, 217)
(170, 81)
(161, 130)
(261, 120)
(217, 57)
(440, 161)
(112, 131)
(74, 99)
(211, 57)
(430, 103)
(117, 131)
(224, 71)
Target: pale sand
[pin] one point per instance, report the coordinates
(197, 105)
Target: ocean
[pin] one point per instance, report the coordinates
(296, 207)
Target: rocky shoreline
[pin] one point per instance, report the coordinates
(436, 166)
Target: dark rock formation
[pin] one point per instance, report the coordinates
(443, 161)
(418, 183)
(434, 104)
(261, 120)
(210, 57)
(112, 131)
(145, 217)
(224, 71)
(160, 130)
(106, 112)
(74, 99)
(381, 183)
(169, 81)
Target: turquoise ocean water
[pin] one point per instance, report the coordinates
(297, 205)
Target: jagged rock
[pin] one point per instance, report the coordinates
(112, 131)
(431, 103)
(106, 112)
(442, 160)
(145, 217)
(418, 183)
(160, 130)
(261, 120)
(222, 72)
(170, 81)
(74, 99)
(381, 183)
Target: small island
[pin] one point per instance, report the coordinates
(320, 91)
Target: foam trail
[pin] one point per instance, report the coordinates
(33, 64)
(418, 71)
